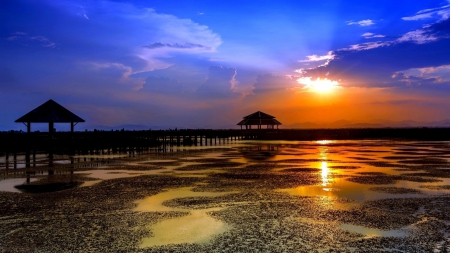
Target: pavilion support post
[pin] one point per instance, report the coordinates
(51, 126)
(50, 148)
(72, 125)
(27, 153)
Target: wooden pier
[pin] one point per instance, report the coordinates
(96, 142)
(12, 143)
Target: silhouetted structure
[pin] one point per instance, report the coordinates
(259, 118)
(50, 112)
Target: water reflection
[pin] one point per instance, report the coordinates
(324, 165)
(324, 142)
(324, 173)
(345, 159)
(373, 232)
(197, 226)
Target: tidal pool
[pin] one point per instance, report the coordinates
(195, 227)
(373, 232)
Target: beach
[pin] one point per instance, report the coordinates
(239, 196)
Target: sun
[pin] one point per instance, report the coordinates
(319, 85)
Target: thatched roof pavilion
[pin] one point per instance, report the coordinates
(50, 112)
(259, 118)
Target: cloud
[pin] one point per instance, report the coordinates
(176, 45)
(367, 46)
(442, 12)
(134, 28)
(26, 39)
(314, 57)
(220, 83)
(372, 35)
(127, 71)
(428, 33)
(423, 76)
(374, 64)
(433, 70)
(116, 74)
(418, 36)
(365, 22)
(411, 80)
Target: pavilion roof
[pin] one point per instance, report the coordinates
(259, 118)
(259, 122)
(50, 111)
(259, 115)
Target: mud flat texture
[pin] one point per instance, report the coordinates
(247, 197)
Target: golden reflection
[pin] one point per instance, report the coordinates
(325, 172)
(324, 142)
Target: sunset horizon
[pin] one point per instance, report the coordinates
(224, 126)
(200, 65)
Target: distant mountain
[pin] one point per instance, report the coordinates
(129, 127)
(376, 124)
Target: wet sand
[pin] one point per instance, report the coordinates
(258, 196)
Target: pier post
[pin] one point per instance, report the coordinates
(34, 157)
(15, 160)
(6, 160)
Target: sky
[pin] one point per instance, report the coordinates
(207, 64)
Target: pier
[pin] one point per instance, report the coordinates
(95, 142)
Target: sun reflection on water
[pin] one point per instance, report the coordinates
(324, 165)
(324, 173)
(323, 142)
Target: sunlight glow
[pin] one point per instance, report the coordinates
(319, 85)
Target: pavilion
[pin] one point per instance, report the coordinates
(50, 112)
(259, 118)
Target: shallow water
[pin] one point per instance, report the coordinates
(197, 226)
(258, 193)
(373, 232)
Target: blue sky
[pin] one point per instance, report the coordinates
(202, 64)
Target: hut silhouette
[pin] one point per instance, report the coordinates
(259, 119)
(50, 112)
